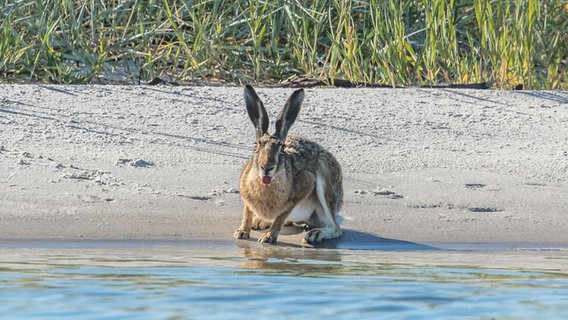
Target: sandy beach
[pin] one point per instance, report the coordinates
(421, 166)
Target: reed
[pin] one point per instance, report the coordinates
(399, 43)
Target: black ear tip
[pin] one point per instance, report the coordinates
(298, 94)
(249, 88)
(249, 92)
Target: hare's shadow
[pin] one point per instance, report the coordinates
(357, 240)
(291, 236)
(290, 255)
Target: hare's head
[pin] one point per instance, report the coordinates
(269, 146)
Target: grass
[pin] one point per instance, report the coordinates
(412, 42)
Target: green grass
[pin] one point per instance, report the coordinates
(413, 42)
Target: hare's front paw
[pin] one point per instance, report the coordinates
(260, 224)
(268, 238)
(241, 234)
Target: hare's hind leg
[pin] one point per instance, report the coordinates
(331, 229)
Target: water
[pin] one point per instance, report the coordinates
(188, 281)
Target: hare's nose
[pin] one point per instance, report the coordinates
(266, 170)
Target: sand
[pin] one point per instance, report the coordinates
(422, 167)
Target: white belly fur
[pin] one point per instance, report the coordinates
(304, 210)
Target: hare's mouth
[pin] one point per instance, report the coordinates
(266, 179)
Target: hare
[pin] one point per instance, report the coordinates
(288, 179)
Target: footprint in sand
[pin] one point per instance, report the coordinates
(384, 193)
(475, 186)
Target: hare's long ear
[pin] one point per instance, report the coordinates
(289, 114)
(256, 111)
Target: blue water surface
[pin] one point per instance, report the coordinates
(209, 282)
